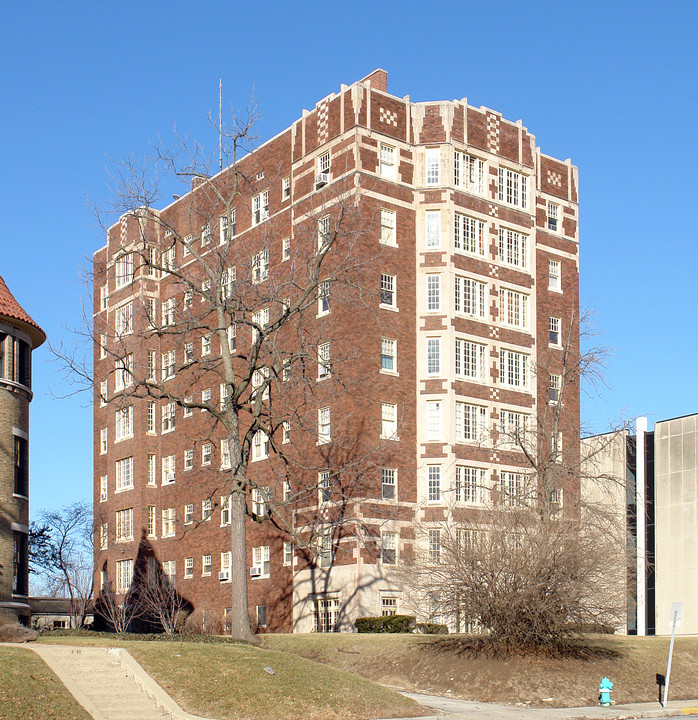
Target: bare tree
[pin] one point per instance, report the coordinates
(160, 602)
(118, 609)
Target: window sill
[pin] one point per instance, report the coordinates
(388, 244)
(392, 308)
(389, 437)
(555, 290)
(20, 496)
(392, 373)
(121, 490)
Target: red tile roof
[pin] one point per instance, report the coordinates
(10, 308)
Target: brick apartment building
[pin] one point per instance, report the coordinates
(447, 335)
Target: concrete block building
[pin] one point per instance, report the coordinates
(19, 336)
(456, 329)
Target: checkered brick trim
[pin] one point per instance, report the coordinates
(494, 394)
(495, 457)
(554, 178)
(124, 229)
(388, 117)
(493, 210)
(493, 271)
(493, 133)
(494, 333)
(322, 121)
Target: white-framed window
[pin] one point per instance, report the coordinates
(260, 379)
(123, 423)
(553, 217)
(388, 355)
(168, 365)
(324, 426)
(513, 369)
(124, 474)
(205, 565)
(124, 575)
(123, 319)
(226, 562)
(514, 428)
(434, 419)
(469, 296)
(151, 311)
(189, 567)
(102, 346)
(168, 469)
(388, 290)
(286, 249)
(433, 292)
(261, 319)
(556, 497)
(232, 332)
(286, 188)
(152, 464)
(323, 232)
(388, 227)
(433, 356)
(104, 536)
(469, 235)
(470, 359)
(432, 166)
(323, 163)
(206, 453)
(169, 516)
(206, 345)
(186, 245)
(223, 395)
(168, 312)
(389, 421)
(103, 443)
(103, 298)
(205, 397)
(260, 266)
(387, 166)
(324, 550)
(433, 228)
(324, 492)
(230, 274)
(389, 605)
(260, 446)
(389, 548)
(471, 422)
(513, 248)
(554, 388)
(288, 553)
(123, 268)
(554, 334)
(511, 487)
(205, 235)
(223, 234)
(469, 173)
(513, 308)
(188, 459)
(225, 454)
(188, 352)
(554, 275)
(513, 188)
(434, 483)
(326, 617)
(123, 372)
(260, 508)
(434, 545)
(260, 559)
(168, 417)
(168, 259)
(287, 490)
(470, 485)
(152, 521)
(206, 509)
(388, 483)
(323, 298)
(260, 207)
(323, 361)
(124, 525)
(153, 262)
(152, 366)
(189, 513)
(103, 488)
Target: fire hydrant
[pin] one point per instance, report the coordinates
(605, 692)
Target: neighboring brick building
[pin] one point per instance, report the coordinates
(454, 329)
(19, 335)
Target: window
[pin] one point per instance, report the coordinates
(513, 248)
(206, 453)
(513, 369)
(323, 485)
(124, 574)
(388, 605)
(433, 419)
(169, 569)
(260, 559)
(168, 312)
(554, 282)
(469, 173)
(188, 459)
(389, 548)
(554, 388)
(471, 422)
(470, 359)
(153, 262)
(188, 352)
(168, 365)
(259, 504)
(168, 522)
(225, 454)
(102, 346)
(206, 510)
(286, 249)
(556, 497)
(123, 376)
(223, 233)
(205, 397)
(152, 366)
(226, 561)
(513, 307)
(123, 320)
(388, 293)
(433, 293)
(124, 525)
(323, 232)
(261, 616)
(324, 434)
(21, 466)
(323, 361)
(513, 428)
(206, 345)
(388, 355)
(553, 217)
(434, 483)
(103, 488)
(260, 266)
(168, 417)
(205, 565)
(103, 441)
(433, 166)
(103, 298)
(326, 615)
(433, 228)
(103, 536)
(324, 552)
(229, 276)
(186, 245)
(223, 395)
(232, 332)
(511, 488)
(323, 298)
(285, 432)
(286, 188)
(288, 553)
(260, 379)
(388, 228)
(556, 447)
(189, 514)
(152, 521)
(205, 235)
(260, 207)
(123, 425)
(124, 474)
(261, 320)
(470, 485)
(433, 356)
(554, 330)
(168, 259)
(389, 421)
(434, 545)
(151, 311)
(189, 567)
(152, 460)
(468, 235)
(469, 296)
(386, 164)
(260, 446)
(168, 469)
(513, 188)
(389, 483)
(124, 270)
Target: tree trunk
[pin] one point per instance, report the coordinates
(239, 614)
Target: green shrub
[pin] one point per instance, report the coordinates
(387, 624)
(431, 629)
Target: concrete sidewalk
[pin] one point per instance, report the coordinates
(452, 708)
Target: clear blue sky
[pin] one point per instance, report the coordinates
(611, 85)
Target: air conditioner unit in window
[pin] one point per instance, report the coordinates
(223, 575)
(170, 476)
(263, 214)
(321, 179)
(255, 571)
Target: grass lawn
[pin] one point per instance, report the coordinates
(435, 664)
(30, 691)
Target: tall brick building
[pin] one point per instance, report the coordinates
(19, 335)
(449, 333)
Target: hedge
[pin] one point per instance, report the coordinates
(386, 624)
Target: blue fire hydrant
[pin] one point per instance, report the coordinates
(605, 692)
